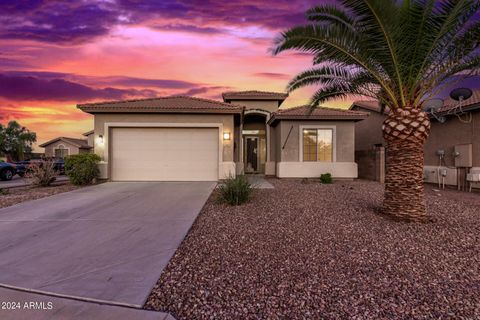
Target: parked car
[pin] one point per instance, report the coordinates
(59, 164)
(7, 170)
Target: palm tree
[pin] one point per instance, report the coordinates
(402, 53)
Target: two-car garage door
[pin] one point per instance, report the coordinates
(164, 154)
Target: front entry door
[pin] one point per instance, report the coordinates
(251, 155)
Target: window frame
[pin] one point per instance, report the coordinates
(318, 127)
(61, 147)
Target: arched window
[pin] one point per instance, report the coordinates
(61, 151)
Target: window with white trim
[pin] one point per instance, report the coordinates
(318, 145)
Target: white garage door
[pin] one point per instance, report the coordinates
(164, 154)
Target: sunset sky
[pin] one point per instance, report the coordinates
(55, 54)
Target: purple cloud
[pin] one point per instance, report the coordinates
(142, 82)
(59, 86)
(121, 81)
(8, 63)
(60, 21)
(189, 29)
(28, 88)
(272, 75)
(55, 21)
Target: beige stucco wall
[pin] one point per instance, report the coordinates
(291, 163)
(344, 144)
(273, 143)
(90, 139)
(444, 136)
(369, 131)
(50, 149)
(259, 104)
(278, 142)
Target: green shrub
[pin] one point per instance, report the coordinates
(235, 190)
(42, 174)
(326, 178)
(82, 169)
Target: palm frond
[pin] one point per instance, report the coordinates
(333, 43)
(330, 14)
(397, 52)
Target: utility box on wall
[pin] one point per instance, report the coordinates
(464, 158)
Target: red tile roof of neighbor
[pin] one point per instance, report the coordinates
(80, 143)
(449, 105)
(319, 113)
(173, 104)
(254, 95)
(371, 105)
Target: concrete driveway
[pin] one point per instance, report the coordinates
(108, 242)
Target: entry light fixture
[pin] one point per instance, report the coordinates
(100, 139)
(226, 136)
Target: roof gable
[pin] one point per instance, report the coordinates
(79, 143)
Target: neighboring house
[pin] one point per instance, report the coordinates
(192, 139)
(90, 136)
(62, 146)
(460, 132)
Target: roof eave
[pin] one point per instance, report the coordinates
(93, 110)
(243, 98)
(274, 119)
(464, 109)
(88, 133)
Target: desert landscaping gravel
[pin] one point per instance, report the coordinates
(9, 197)
(313, 251)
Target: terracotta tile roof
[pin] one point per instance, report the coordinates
(449, 105)
(370, 105)
(80, 143)
(319, 113)
(254, 95)
(173, 104)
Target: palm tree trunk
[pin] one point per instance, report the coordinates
(405, 131)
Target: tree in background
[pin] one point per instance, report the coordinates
(15, 141)
(401, 53)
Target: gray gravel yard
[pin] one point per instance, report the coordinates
(312, 251)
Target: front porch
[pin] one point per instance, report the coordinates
(254, 144)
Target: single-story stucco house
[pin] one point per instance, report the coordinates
(452, 149)
(183, 138)
(63, 146)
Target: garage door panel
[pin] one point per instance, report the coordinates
(164, 154)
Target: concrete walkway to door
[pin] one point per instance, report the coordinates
(108, 242)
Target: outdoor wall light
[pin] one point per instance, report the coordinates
(100, 139)
(226, 136)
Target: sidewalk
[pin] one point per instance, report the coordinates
(42, 307)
